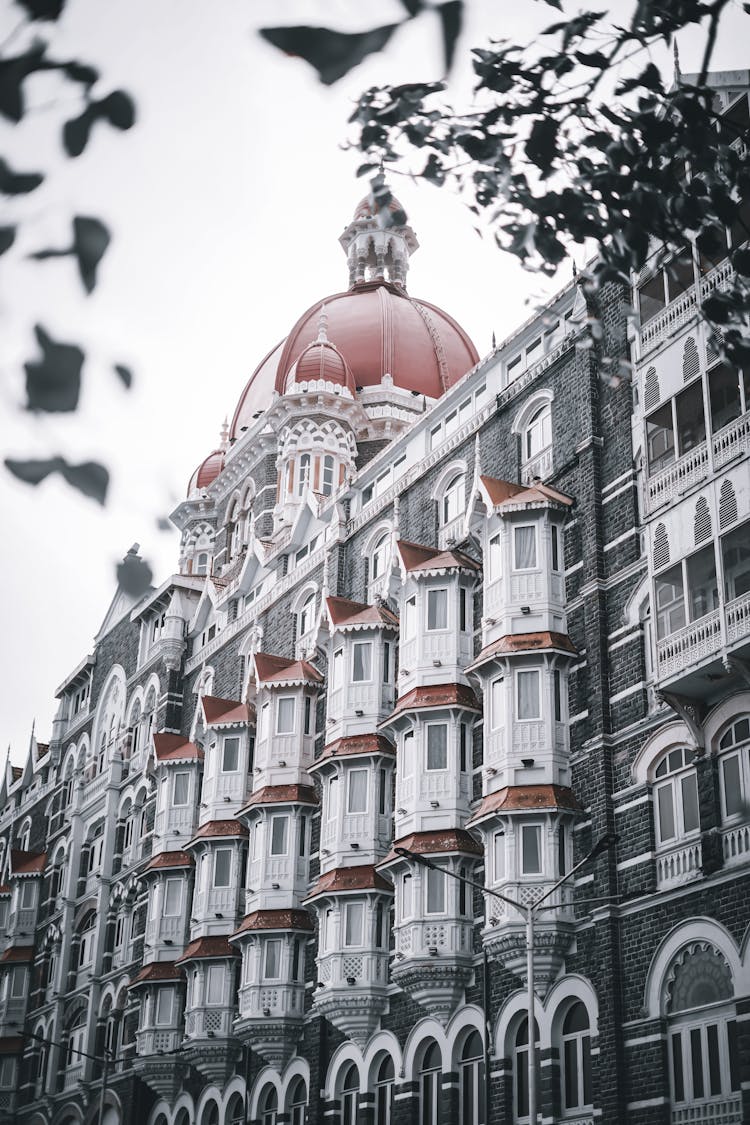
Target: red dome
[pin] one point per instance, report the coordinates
(321, 361)
(379, 330)
(207, 471)
(364, 210)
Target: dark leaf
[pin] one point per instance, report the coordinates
(134, 575)
(126, 375)
(12, 73)
(719, 308)
(413, 7)
(332, 53)
(541, 147)
(433, 170)
(117, 109)
(42, 9)
(80, 72)
(164, 524)
(451, 16)
(17, 183)
(90, 240)
(7, 238)
(741, 261)
(90, 478)
(53, 383)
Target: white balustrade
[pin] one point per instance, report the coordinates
(525, 588)
(719, 1111)
(677, 478)
(732, 441)
(363, 967)
(735, 844)
(679, 865)
(738, 618)
(451, 532)
(153, 1041)
(696, 641)
(202, 1022)
(540, 466)
(73, 1076)
(417, 938)
(278, 999)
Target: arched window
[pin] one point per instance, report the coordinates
(379, 558)
(350, 1096)
(538, 432)
(734, 769)
(384, 1080)
(210, 1115)
(521, 1069)
(269, 1106)
(303, 473)
(236, 1110)
(86, 937)
(429, 1085)
(297, 1102)
(703, 1050)
(470, 1081)
(76, 1039)
(329, 466)
(675, 796)
(306, 615)
(201, 563)
(576, 1059)
(454, 499)
(24, 835)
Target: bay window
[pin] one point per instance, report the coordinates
(181, 788)
(172, 898)
(729, 394)
(676, 427)
(279, 828)
(230, 758)
(164, 1007)
(524, 547)
(215, 984)
(435, 891)
(272, 966)
(735, 558)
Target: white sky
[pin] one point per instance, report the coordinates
(225, 202)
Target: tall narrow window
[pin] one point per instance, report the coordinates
(306, 616)
(470, 1083)
(362, 661)
(531, 849)
(285, 714)
(406, 896)
(382, 791)
(556, 553)
(454, 499)
(164, 1006)
(437, 610)
(670, 602)
(357, 795)
(429, 1086)
(528, 695)
(384, 1082)
(350, 1097)
(496, 558)
(308, 718)
(435, 891)
(497, 704)
(222, 867)
(173, 898)
(437, 746)
(328, 467)
(410, 618)
(273, 959)
(576, 1059)
(181, 788)
(498, 855)
(279, 829)
(379, 557)
(230, 759)
(557, 688)
(304, 473)
(521, 1069)
(676, 795)
(215, 984)
(337, 674)
(354, 914)
(524, 547)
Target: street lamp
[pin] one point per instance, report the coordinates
(105, 1059)
(529, 912)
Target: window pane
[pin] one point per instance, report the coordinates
(338, 669)
(215, 984)
(532, 850)
(406, 897)
(735, 550)
(660, 438)
(173, 898)
(678, 1081)
(354, 923)
(734, 1060)
(691, 422)
(528, 695)
(437, 609)
(670, 602)
(362, 661)
(571, 1073)
(164, 1006)
(696, 1062)
(285, 715)
(588, 1095)
(714, 1063)
(222, 867)
(555, 547)
(410, 617)
(524, 548)
(702, 584)
(278, 835)
(499, 855)
(357, 802)
(651, 297)
(435, 891)
(437, 746)
(231, 758)
(495, 558)
(273, 959)
(690, 802)
(665, 805)
(730, 774)
(181, 788)
(724, 394)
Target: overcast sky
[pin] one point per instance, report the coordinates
(225, 202)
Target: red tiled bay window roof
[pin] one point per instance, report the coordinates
(156, 972)
(416, 557)
(275, 920)
(18, 955)
(281, 795)
(27, 863)
(532, 798)
(344, 880)
(525, 642)
(214, 828)
(343, 613)
(444, 841)
(225, 712)
(278, 669)
(169, 859)
(436, 695)
(175, 748)
(356, 744)
(207, 948)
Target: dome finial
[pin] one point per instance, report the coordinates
(677, 71)
(323, 325)
(224, 435)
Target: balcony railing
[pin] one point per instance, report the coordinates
(732, 441)
(719, 1111)
(738, 618)
(697, 641)
(155, 1041)
(735, 844)
(683, 308)
(679, 865)
(677, 478)
(539, 466)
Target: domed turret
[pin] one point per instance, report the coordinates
(207, 471)
(321, 365)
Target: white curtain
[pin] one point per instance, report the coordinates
(525, 541)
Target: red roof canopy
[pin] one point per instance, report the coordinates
(175, 748)
(342, 611)
(415, 556)
(220, 712)
(280, 669)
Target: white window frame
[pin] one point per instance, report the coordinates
(431, 594)
(286, 699)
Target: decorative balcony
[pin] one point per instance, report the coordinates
(683, 308)
(719, 1111)
(704, 641)
(452, 532)
(738, 619)
(677, 478)
(538, 467)
(735, 844)
(732, 441)
(679, 865)
(210, 1046)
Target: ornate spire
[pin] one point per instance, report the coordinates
(677, 71)
(224, 435)
(379, 242)
(323, 325)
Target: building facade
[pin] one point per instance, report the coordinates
(482, 612)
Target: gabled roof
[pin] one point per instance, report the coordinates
(205, 948)
(225, 712)
(168, 860)
(175, 748)
(346, 880)
(27, 863)
(505, 494)
(436, 695)
(156, 972)
(282, 795)
(274, 920)
(527, 798)
(445, 841)
(525, 642)
(278, 669)
(214, 828)
(345, 614)
(354, 745)
(416, 557)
